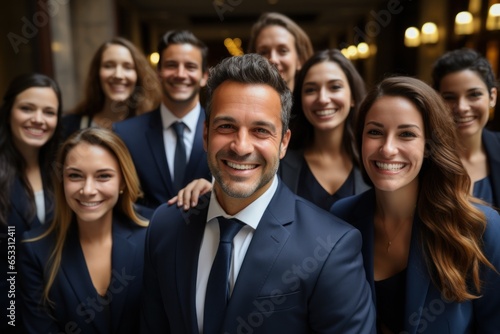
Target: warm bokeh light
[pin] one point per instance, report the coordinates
(352, 51)
(493, 20)
(464, 23)
(412, 37)
(233, 46)
(363, 50)
(430, 33)
(154, 58)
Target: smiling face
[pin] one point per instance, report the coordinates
(92, 182)
(468, 97)
(117, 73)
(326, 96)
(34, 117)
(243, 142)
(278, 45)
(393, 142)
(181, 75)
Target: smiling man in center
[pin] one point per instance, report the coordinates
(288, 266)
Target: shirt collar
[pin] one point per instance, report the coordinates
(252, 214)
(190, 120)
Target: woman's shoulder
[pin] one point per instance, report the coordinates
(491, 137)
(491, 234)
(37, 242)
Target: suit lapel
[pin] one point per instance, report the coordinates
(74, 267)
(492, 146)
(267, 243)
(19, 204)
(417, 281)
(187, 254)
(122, 260)
(155, 139)
(364, 223)
(291, 167)
(197, 157)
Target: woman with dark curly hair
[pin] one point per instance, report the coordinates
(467, 83)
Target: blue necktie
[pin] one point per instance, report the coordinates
(180, 156)
(217, 294)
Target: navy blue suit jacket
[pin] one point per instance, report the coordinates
(491, 142)
(425, 309)
(76, 303)
(19, 220)
(72, 123)
(291, 168)
(302, 273)
(143, 136)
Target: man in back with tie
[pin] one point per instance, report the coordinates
(252, 257)
(166, 144)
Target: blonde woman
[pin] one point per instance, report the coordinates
(83, 271)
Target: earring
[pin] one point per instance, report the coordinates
(121, 191)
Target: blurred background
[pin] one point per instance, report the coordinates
(381, 37)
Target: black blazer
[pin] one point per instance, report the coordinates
(491, 142)
(291, 168)
(76, 303)
(425, 309)
(72, 123)
(19, 222)
(302, 273)
(143, 136)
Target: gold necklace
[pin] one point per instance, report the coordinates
(389, 241)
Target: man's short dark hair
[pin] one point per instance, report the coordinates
(183, 37)
(250, 69)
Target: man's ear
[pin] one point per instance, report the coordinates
(284, 143)
(204, 78)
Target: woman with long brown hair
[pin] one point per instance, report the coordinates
(120, 84)
(430, 249)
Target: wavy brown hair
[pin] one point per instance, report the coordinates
(451, 235)
(64, 216)
(145, 97)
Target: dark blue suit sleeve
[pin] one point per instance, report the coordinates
(342, 302)
(153, 317)
(36, 317)
(487, 307)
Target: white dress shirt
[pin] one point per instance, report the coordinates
(170, 138)
(250, 216)
(40, 205)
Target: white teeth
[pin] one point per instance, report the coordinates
(240, 166)
(35, 131)
(465, 119)
(179, 85)
(90, 204)
(386, 166)
(325, 112)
